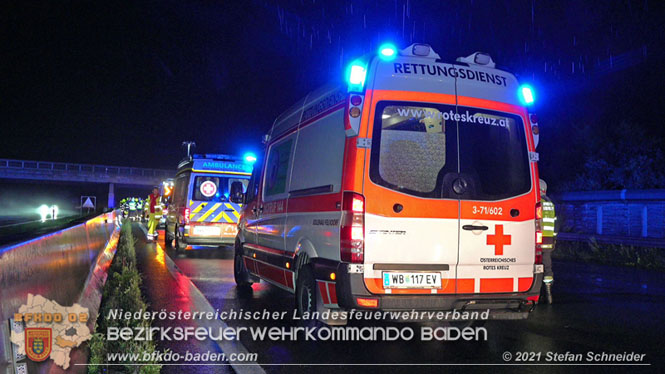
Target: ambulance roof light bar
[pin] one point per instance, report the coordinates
(526, 94)
(217, 156)
(478, 58)
(420, 50)
(355, 76)
(387, 52)
(249, 157)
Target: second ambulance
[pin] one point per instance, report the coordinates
(206, 202)
(414, 186)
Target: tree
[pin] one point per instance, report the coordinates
(622, 156)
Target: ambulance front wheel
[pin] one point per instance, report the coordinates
(305, 291)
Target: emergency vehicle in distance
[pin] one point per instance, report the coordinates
(207, 196)
(412, 187)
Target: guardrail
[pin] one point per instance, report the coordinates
(612, 239)
(67, 266)
(83, 168)
(629, 217)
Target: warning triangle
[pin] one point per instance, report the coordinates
(88, 203)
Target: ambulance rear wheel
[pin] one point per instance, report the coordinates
(179, 245)
(305, 291)
(168, 239)
(240, 272)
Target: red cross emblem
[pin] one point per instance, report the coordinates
(498, 240)
(208, 188)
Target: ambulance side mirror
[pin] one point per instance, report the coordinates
(236, 195)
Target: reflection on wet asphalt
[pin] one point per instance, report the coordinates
(597, 308)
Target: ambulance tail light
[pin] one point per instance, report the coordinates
(352, 230)
(539, 234)
(355, 110)
(535, 130)
(186, 214)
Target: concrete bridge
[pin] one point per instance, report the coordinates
(69, 172)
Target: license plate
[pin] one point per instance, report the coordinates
(411, 280)
(207, 230)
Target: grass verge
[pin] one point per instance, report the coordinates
(122, 291)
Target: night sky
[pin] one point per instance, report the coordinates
(125, 83)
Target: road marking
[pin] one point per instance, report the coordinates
(202, 304)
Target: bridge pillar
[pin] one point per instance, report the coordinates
(111, 196)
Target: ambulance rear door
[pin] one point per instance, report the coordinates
(411, 213)
(495, 187)
(210, 198)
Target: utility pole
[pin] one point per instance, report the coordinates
(190, 145)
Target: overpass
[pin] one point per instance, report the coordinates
(69, 172)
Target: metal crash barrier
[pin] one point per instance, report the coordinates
(67, 266)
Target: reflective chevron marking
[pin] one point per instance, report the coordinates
(199, 207)
(209, 212)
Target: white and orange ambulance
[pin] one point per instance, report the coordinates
(412, 187)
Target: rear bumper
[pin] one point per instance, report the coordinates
(215, 240)
(209, 241)
(349, 286)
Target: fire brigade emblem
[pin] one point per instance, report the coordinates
(38, 343)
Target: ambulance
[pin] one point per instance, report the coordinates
(413, 186)
(207, 197)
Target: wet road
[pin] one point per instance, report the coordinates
(597, 309)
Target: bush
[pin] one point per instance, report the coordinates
(121, 291)
(611, 254)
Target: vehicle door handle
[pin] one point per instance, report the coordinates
(474, 227)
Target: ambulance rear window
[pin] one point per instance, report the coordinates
(411, 148)
(493, 154)
(422, 149)
(213, 188)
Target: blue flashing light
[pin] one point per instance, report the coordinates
(387, 52)
(355, 75)
(250, 157)
(526, 94)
